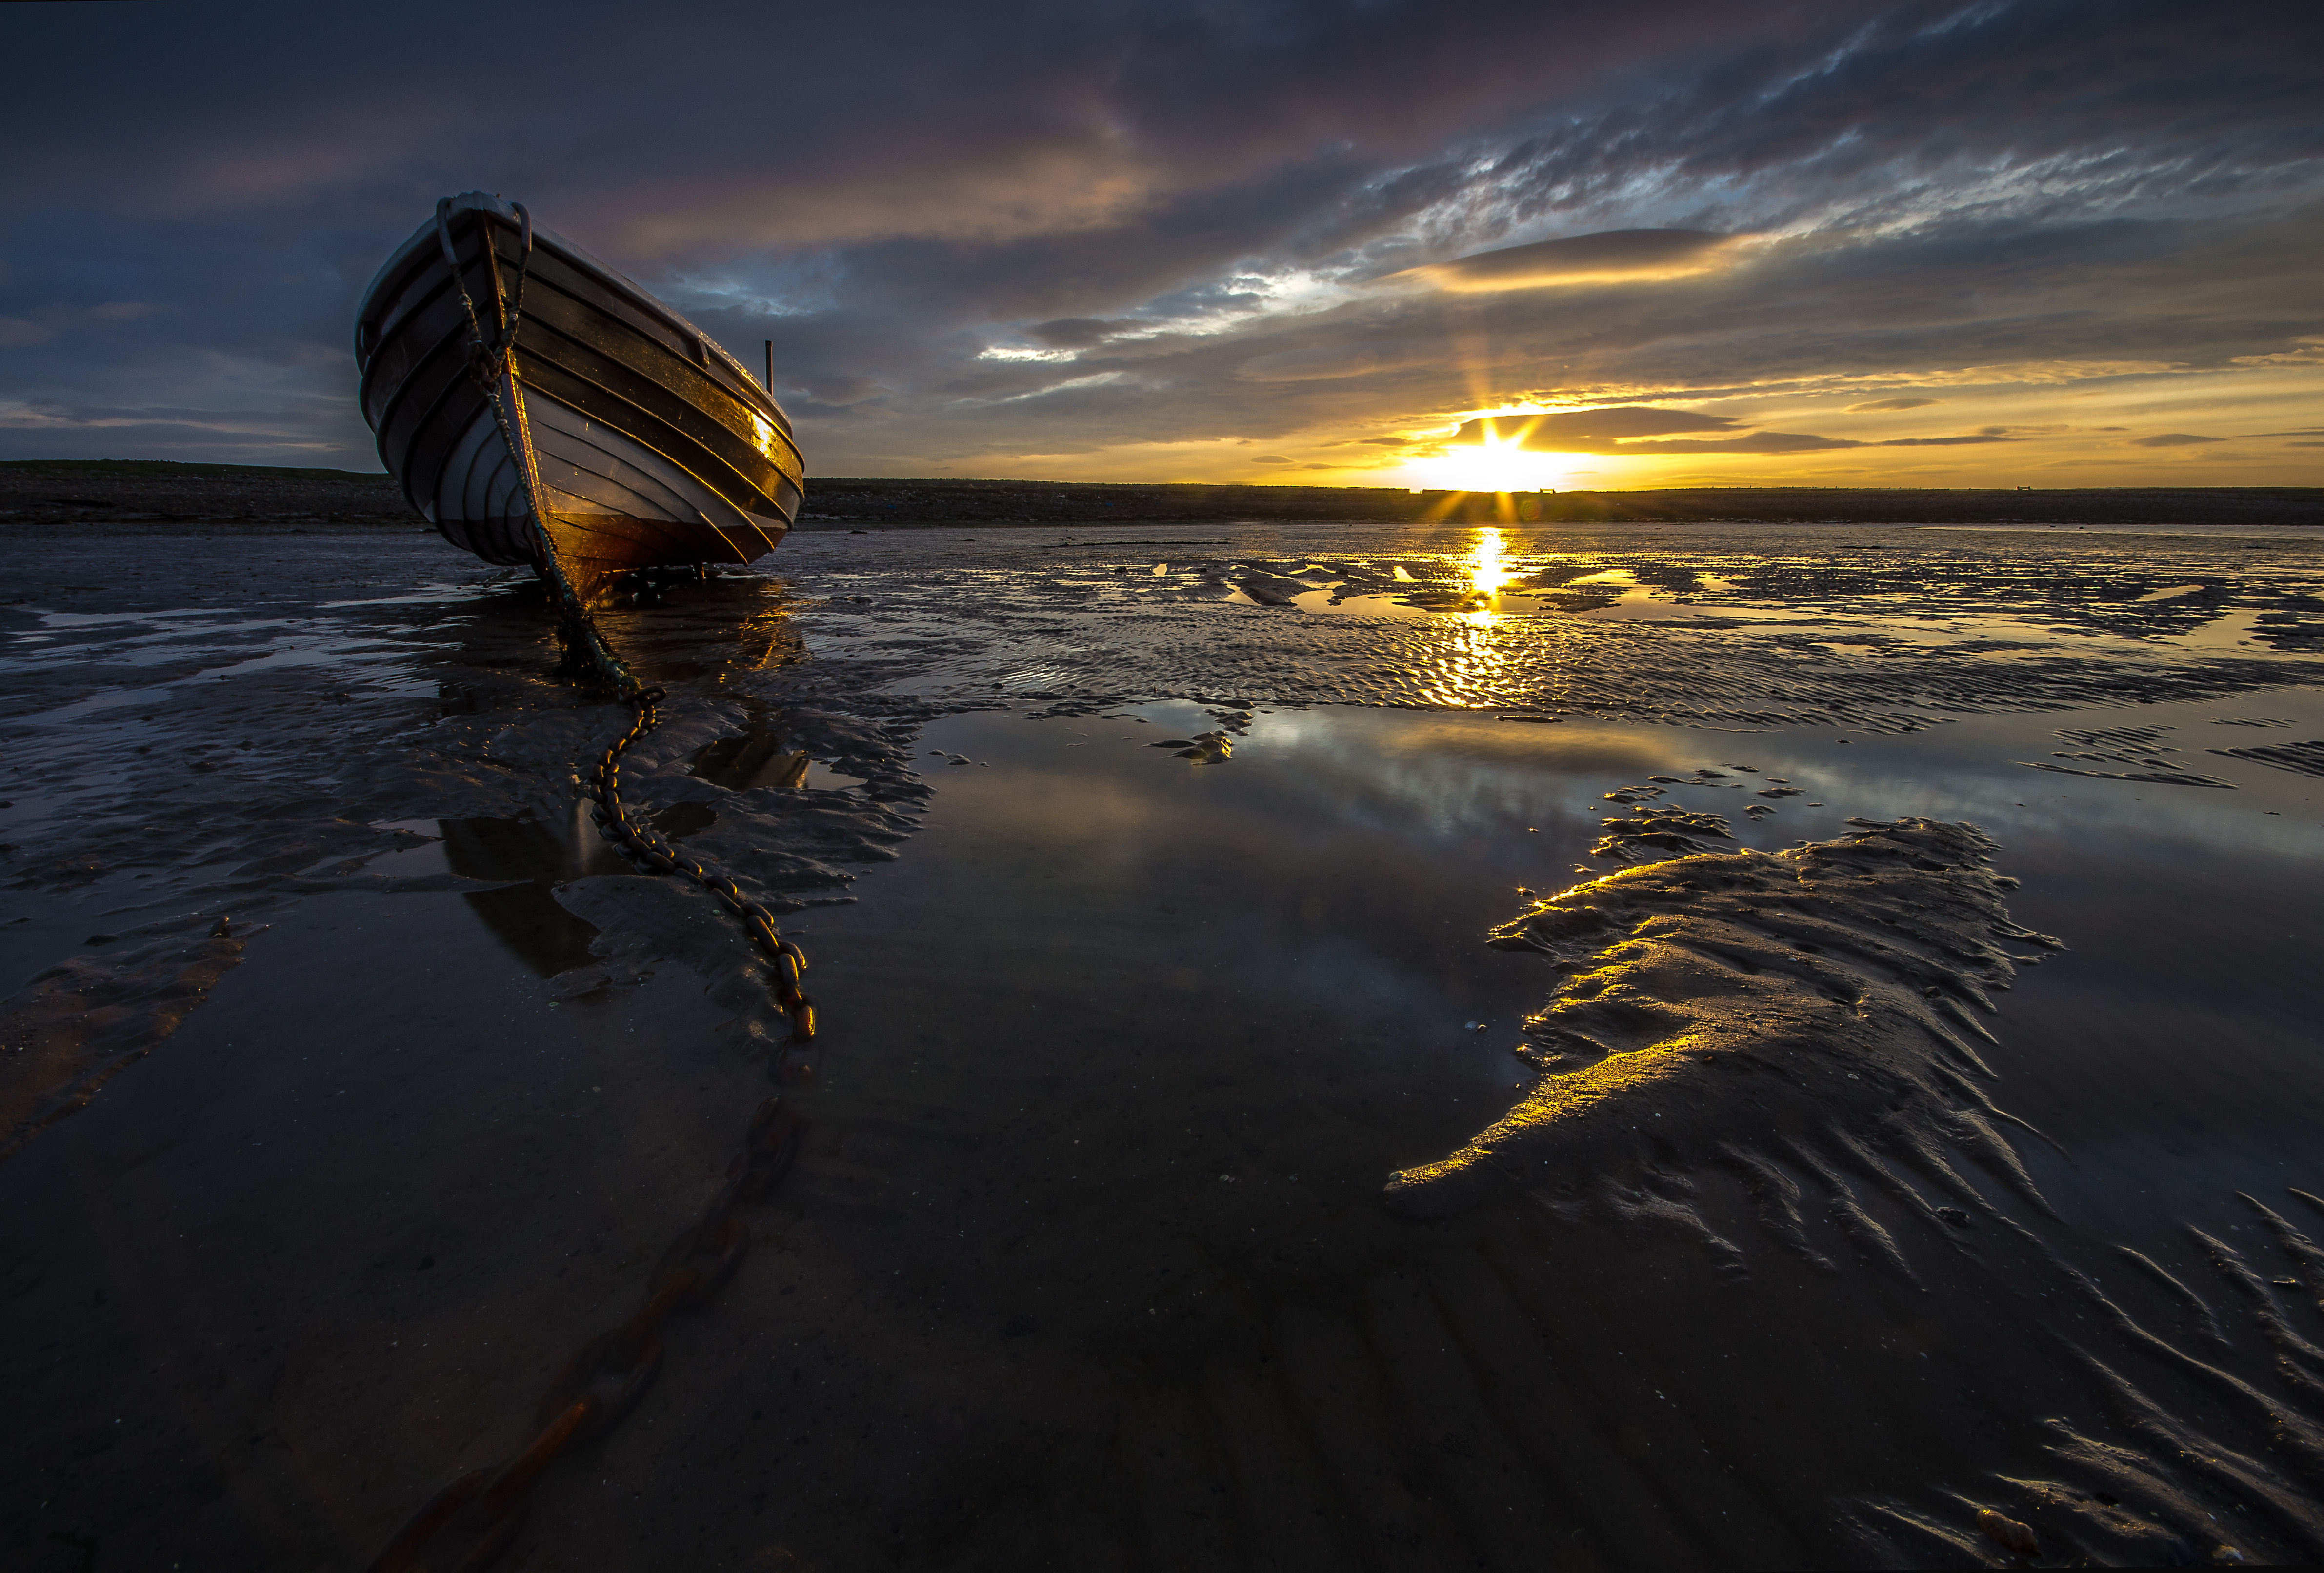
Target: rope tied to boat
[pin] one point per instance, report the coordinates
(492, 362)
(468, 1523)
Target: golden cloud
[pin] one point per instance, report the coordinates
(1610, 256)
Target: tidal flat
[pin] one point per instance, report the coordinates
(1345, 1045)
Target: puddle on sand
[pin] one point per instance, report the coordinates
(190, 646)
(756, 758)
(530, 858)
(681, 820)
(822, 777)
(763, 755)
(1352, 855)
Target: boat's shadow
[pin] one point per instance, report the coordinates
(509, 649)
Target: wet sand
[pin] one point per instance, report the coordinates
(1095, 1255)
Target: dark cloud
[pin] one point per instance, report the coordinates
(1610, 423)
(1758, 442)
(2174, 439)
(1617, 428)
(1054, 228)
(1326, 362)
(1074, 333)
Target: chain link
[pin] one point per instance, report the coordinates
(785, 960)
(467, 1525)
(470, 1523)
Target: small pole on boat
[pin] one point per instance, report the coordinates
(771, 368)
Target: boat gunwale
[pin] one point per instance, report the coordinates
(421, 253)
(501, 215)
(591, 310)
(436, 293)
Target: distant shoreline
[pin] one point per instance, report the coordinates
(91, 491)
(840, 503)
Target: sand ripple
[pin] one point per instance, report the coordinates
(1721, 995)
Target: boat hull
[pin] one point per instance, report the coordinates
(656, 448)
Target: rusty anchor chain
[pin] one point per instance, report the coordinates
(467, 1525)
(785, 960)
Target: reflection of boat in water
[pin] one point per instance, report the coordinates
(526, 860)
(655, 446)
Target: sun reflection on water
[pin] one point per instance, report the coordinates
(1487, 569)
(1477, 670)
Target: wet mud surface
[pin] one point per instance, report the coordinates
(1222, 1151)
(1843, 970)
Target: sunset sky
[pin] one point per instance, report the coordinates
(1502, 245)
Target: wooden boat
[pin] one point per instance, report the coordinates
(653, 446)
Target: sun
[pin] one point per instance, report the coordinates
(1496, 463)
